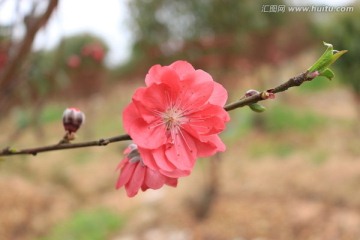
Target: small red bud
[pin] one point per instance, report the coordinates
(267, 95)
(313, 75)
(72, 119)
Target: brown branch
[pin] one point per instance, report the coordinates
(33, 151)
(292, 82)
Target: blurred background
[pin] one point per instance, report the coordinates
(292, 172)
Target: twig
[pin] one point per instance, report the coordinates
(292, 82)
(33, 151)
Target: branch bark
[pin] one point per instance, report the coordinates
(292, 82)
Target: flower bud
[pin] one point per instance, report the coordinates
(132, 153)
(313, 75)
(267, 94)
(72, 119)
(251, 92)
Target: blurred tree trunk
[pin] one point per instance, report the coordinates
(211, 190)
(357, 103)
(9, 77)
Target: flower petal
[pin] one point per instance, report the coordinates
(171, 181)
(148, 158)
(152, 98)
(126, 172)
(219, 95)
(133, 186)
(161, 159)
(183, 152)
(164, 75)
(140, 131)
(153, 76)
(154, 179)
(209, 145)
(155, 99)
(152, 163)
(210, 120)
(176, 173)
(182, 68)
(196, 90)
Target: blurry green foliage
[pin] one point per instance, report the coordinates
(21, 118)
(210, 32)
(157, 21)
(51, 113)
(42, 72)
(285, 118)
(280, 118)
(347, 36)
(318, 84)
(343, 32)
(277, 148)
(241, 123)
(97, 224)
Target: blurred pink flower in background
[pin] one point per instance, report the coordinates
(176, 118)
(73, 61)
(134, 175)
(93, 50)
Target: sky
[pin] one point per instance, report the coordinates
(105, 18)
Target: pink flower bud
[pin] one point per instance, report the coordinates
(251, 92)
(313, 75)
(268, 95)
(72, 119)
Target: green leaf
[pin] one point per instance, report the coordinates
(329, 57)
(328, 74)
(257, 107)
(336, 55)
(324, 60)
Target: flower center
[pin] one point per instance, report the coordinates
(173, 118)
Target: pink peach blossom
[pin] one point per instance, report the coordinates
(97, 52)
(134, 175)
(93, 50)
(176, 118)
(73, 61)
